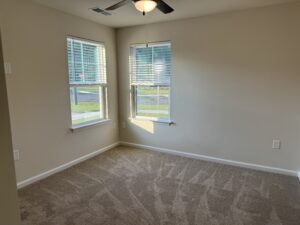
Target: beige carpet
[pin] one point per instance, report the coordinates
(127, 186)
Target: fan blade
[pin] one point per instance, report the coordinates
(118, 5)
(164, 7)
(98, 10)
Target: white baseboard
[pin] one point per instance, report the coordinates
(214, 159)
(163, 150)
(64, 166)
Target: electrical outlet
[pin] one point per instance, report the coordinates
(123, 125)
(7, 68)
(276, 144)
(16, 155)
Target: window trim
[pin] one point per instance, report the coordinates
(89, 124)
(86, 40)
(104, 89)
(133, 103)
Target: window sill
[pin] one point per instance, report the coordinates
(168, 122)
(90, 124)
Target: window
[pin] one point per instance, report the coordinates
(87, 80)
(150, 81)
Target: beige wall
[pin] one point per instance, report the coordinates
(34, 40)
(9, 210)
(235, 86)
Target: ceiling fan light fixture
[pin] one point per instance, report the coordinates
(145, 6)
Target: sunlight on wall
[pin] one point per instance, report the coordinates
(144, 124)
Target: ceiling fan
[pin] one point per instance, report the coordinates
(144, 6)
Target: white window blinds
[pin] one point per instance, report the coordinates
(151, 65)
(86, 60)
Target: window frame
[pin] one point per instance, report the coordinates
(103, 89)
(133, 87)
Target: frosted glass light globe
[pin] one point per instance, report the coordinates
(145, 6)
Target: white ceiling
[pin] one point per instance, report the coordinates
(129, 16)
